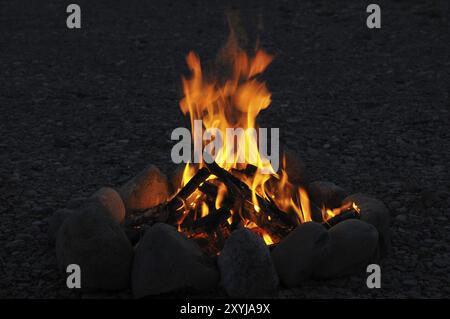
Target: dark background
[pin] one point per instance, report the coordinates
(366, 109)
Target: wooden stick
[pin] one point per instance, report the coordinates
(159, 213)
(211, 221)
(209, 189)
(249, 170)
(177, 201)
(240, 188)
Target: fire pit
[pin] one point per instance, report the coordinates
(230, 218)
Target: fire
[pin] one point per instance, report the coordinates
(220, 195)
(234, 100)
(267, 239)
(328, 213)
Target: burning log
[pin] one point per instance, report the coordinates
(266, 215)
(187, 218)
(176, 202)
(234, 184)
(239, 188)
(209, 189)
(249, 170)
(351, 213)
(212, 221)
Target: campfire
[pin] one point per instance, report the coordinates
(236, 215)
(238, 187)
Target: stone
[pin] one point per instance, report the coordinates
(111, 201)
(148, 189)
(95, 241)
(246, 267)
(326, 194)
(374, 212)
(55, 221)
(166, 261)
(297, 254)
(353, 246)
(295, 168)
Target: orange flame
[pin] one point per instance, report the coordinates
(235, 101)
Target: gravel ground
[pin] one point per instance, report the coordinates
(366, 109)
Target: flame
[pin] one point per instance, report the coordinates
(231, 103)
(328, 213)
(221, 192)
(233, 99)
(304, 202)
(205, 209)
(267, 239)
(188, 173)
(355, 207)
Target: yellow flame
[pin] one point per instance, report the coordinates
(221, 192)
(355, 207)
(205, 209)
(267, 239)
(188, 173)
(328, 213)
(234, 101)
(304, 202)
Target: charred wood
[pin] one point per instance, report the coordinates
(179, 199)
(212, 221)
(239, 188)
(159, 213)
